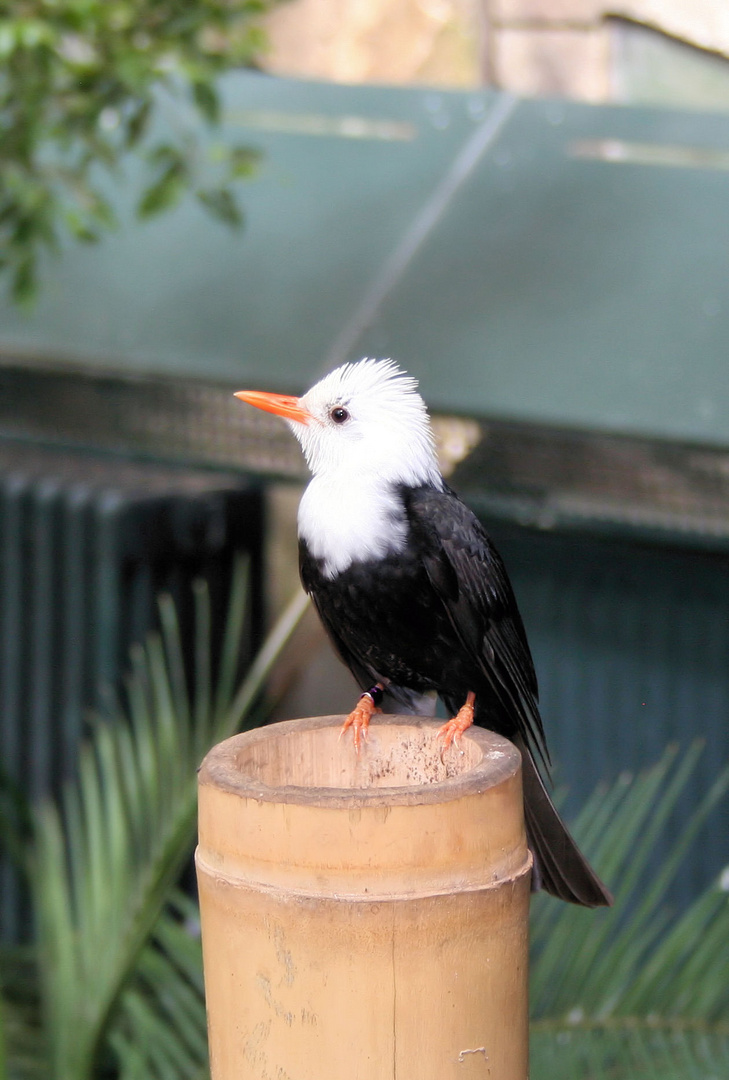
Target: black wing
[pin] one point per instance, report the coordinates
(466, 571)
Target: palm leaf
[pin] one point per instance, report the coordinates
(160, 1029)
(21, 1056)
(634, 993)
(105, 861)
(4, 1074)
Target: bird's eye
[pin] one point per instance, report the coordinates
(339, 415)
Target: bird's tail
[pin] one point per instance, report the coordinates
(560, 868)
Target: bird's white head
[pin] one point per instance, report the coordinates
(364, 422)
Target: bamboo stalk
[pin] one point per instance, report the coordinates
(364, 917)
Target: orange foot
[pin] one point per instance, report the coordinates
(359, 720)
(452, 731)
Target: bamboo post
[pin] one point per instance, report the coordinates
(364, 917)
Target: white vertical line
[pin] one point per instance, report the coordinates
(423, 224)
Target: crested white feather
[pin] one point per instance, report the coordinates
(351, 510)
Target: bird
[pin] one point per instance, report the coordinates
(411, 590)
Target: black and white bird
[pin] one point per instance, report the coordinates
(411, 589)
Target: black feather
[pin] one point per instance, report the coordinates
(440, 615)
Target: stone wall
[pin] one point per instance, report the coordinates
(568, 47)
(434, 42)
(534, 47)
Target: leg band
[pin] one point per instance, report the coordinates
(375, 693)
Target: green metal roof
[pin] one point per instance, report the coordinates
(550, 262)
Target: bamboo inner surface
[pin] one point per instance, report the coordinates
(401, 760)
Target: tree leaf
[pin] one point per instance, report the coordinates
(243, 162)
(207, 100)
(222, 204)
(165, 192)
(83, 84)
(138, 123)
(25, 279)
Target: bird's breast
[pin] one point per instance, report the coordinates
(385, 613)
(344, 523)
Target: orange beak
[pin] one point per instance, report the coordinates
(280, 404)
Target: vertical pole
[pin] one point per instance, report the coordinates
(364, 917)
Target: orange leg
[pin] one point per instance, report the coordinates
(452, 731)
(359, 718)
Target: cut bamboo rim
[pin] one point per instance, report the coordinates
(364, 917)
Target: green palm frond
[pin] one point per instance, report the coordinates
(106, 860)
(633, 993)
(21, 1036)
(160, 1030)
(625, 1051)
(3, 1052)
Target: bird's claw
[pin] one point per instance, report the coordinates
(359, 721)
(452, 730)
(450, 735)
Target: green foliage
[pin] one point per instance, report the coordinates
(83, 84)
(634, 992)
(3, 1053)
(160, 1029)
(115, 982)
